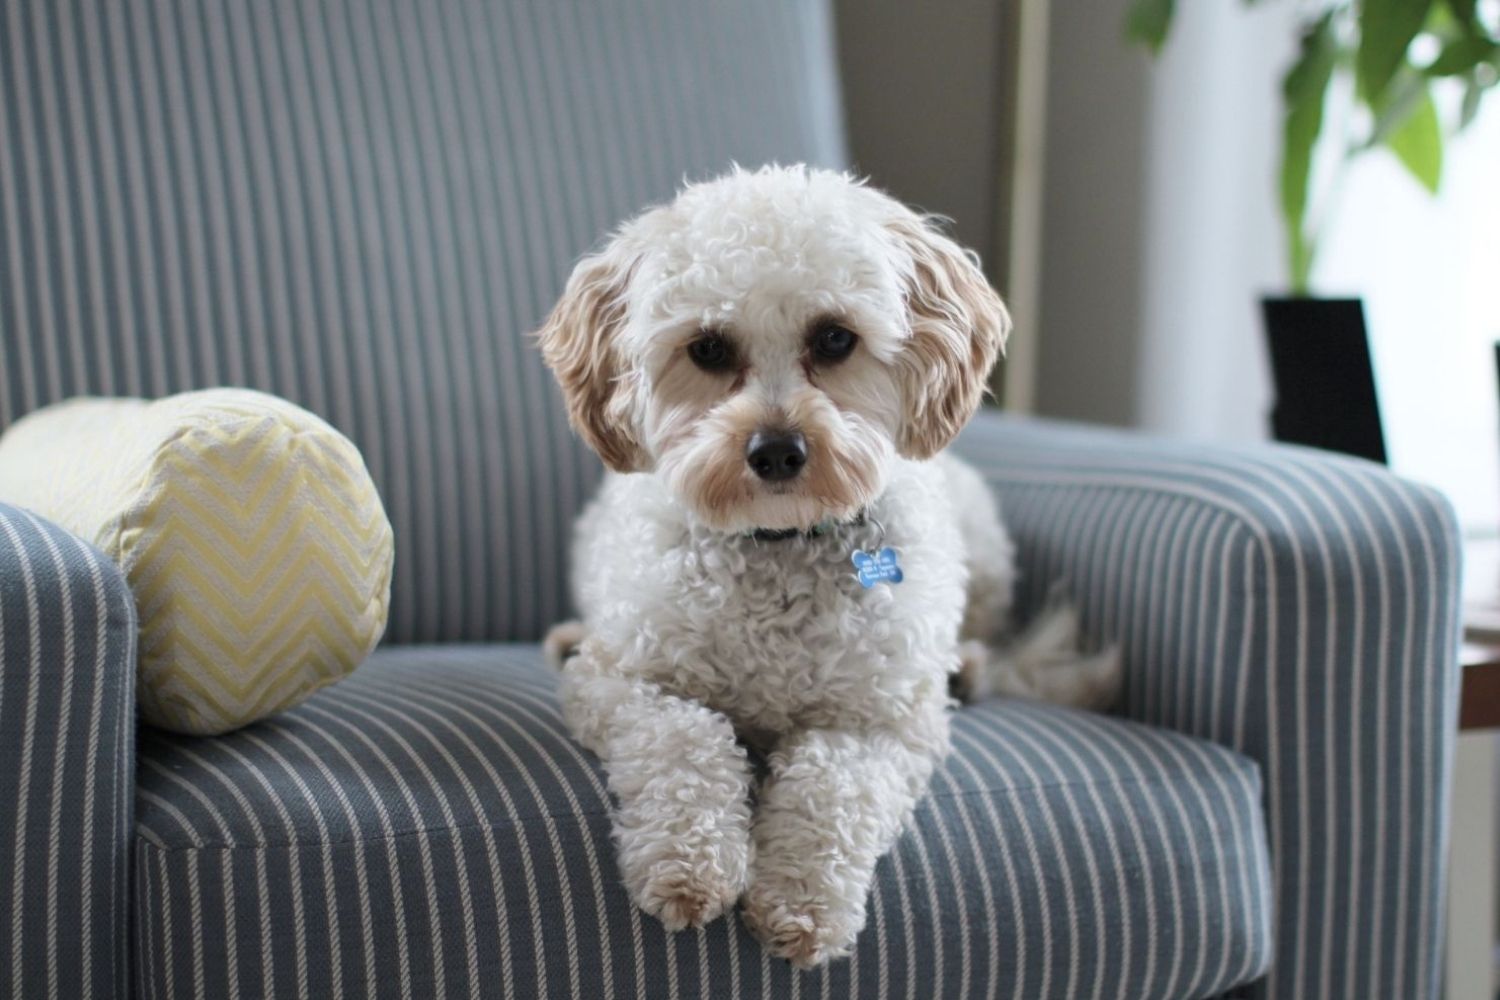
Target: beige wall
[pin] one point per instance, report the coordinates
(922, 98)
(1135, 266)
(1093, 217)
(928, 89)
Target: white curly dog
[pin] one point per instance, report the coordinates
(771, 364)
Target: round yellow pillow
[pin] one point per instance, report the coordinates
(251, 533)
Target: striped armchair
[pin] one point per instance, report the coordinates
(361, 206)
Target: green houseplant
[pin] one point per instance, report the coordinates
(1365, 73)
(1372, 42)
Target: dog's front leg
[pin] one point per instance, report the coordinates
(834, 804)
(681, 784)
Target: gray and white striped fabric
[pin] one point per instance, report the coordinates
(1300, 608)
(67, 763)
(361, 205)
(428, 829)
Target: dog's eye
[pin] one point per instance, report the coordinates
(711, 352)
(833, 343)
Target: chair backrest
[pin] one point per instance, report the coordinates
(364, 206)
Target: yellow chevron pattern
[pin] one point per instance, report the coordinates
(251, 533)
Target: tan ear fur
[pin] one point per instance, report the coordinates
(579, 342)
(958, 329)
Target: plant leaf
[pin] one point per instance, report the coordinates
(1303, 89)
(1386, 28)
(1418, 143)
(1461, 55)
(1463, 10)
(1306, 79)
(1395, 106)
(1473, 94)
(1148, 21)
(1299, 254)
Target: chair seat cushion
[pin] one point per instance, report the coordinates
(428, 828)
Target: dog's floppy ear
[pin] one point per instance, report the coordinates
(579, 342)
(958, 328)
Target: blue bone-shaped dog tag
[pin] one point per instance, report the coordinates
(878, 568)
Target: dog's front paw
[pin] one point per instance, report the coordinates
(686, 871)
(682, 894)
(804, 933)
(681, 900)
(682, 820)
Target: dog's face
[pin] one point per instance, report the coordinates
(769, 341)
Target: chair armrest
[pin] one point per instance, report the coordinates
(67, 743)
(1300, 607)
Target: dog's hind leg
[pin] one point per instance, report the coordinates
(989, 553)
(1044, 662)
(562, 641)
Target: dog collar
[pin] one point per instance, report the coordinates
(816, 531)
(880, 564)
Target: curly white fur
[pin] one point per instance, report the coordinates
(701, 635)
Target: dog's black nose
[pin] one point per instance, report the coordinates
(776, 455)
